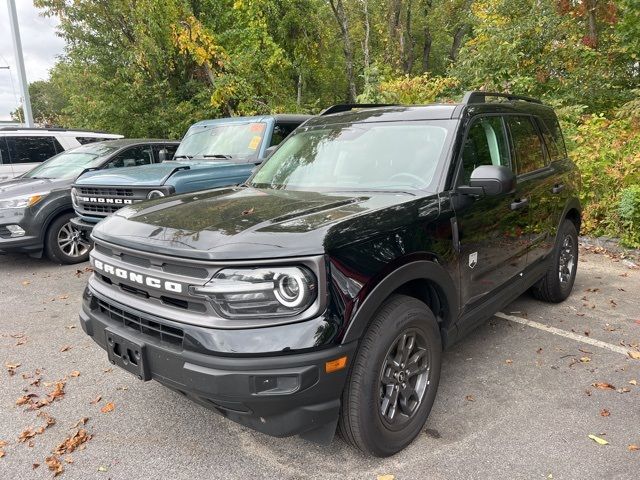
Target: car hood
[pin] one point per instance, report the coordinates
(145, 175)
(246, 223)
(26, 186)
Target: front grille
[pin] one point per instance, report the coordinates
(87, 207)
(160, 331)
(106, 192)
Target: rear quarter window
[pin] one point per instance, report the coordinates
(527, 144)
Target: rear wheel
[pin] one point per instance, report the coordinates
(557, 283)
(393, 380)
(64, 242)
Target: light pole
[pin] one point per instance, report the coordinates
(22, 77)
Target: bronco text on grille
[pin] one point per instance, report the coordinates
(138, 278)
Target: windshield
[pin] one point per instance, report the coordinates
(222, 140)
(71, 163)
(362, 156)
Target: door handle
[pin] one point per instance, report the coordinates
(557, 188)
(518, 204)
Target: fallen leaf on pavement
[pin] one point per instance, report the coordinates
(96, 400)
(633, 382)
(2, 445)
(598, 440)
(585, 359)
(73, 442)
(68, 459)
(25, 283)
(58, 391)
(25, 399)
(102, 468)
(75, 373)
(11, 368)
(385, 477)
(633, 447)
(82, 421)
(508, 361)
(54, 465)
(603, 386)
(34, 466)
(623, 390)
(470, 398)
(248, 211)
(63, 297)
(109, 407)
(633, 354)
(66, 348)
(604, 412)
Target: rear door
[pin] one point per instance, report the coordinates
(492, 237)
(536, 180)
(28, 151)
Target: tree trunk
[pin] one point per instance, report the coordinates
(347, 46)
(458, 36)
(367, 35)
(592, 24)
(428, 39)
(409, 44)
(299, 96)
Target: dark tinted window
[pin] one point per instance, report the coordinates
(4, 152)
(32, 149)
(550, 142)
(526, 144)
(85, 140)
(485, 145)
(280, 132)
(132, 157)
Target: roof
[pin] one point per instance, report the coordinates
(54, 129)
(437, 111)
(125, 142)
(282, 117)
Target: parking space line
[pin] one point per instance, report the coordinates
(564, 333)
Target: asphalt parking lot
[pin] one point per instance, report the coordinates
(515, 400)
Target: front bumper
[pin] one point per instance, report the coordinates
(84, 226)
(277, 394)
(27, 243)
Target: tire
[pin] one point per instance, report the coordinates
(557, 283)
(364, 418)
(64, 243)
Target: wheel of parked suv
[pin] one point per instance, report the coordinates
(557, 283)
(393, 379)
(64, 242)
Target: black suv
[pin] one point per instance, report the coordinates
(322, 292)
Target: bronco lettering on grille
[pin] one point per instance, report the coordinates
(117, 201)
(138, 278)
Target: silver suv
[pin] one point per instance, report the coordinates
(21, 149)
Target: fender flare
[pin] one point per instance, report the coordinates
(414, 270)
(572, 203)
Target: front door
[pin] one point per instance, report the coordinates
(492, 229)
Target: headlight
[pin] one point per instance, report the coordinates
(23, 201)
(261, 292)
(155, 194)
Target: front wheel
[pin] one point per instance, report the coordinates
(64, 242)
(557, 283)
(393, 380)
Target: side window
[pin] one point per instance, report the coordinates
(550, 142)
(527, 144)
(280, 132)
(85, 140)
(32, 149)
(170, 151)
(4, 152)
(552, 135)
(485, 145)
(132, 157)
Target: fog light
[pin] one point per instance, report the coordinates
(16, 230)
(275, 384)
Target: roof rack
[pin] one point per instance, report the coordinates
(481, 97)
(345, 107)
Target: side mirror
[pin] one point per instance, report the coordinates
(269, 151)
(490, 180)
(163, 155)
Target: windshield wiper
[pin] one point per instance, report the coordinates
(382, 190)
(217, 155)
(188, 157)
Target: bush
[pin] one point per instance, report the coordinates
(629, 210)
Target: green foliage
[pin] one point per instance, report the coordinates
(629, 210)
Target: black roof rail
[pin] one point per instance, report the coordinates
(345, 107)
(52, 129)
(481, 97)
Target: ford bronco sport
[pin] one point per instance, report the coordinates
(320, 294)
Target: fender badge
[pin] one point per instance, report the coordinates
(473, 259)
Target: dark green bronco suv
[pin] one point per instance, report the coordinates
(322, 292)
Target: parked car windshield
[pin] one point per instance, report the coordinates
(219, 141)
(71, 163)
(360, 156)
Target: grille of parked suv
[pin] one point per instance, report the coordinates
(100, 191)
(103, 201)
(164, 333)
